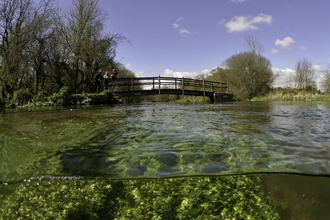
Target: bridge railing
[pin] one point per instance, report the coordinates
(159, 83)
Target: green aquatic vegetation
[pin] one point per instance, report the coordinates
(38, 145)
(225, 197)
(225, 154)
(55, 199)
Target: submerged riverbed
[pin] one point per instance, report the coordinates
(244, 148)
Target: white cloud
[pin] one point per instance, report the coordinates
(238, 1)
(274, 50)
(317, 68)
(176, 24)
(243, 23)
(221, 23)
(128, 65)
(191, 75)
(139, 74)
(205, 72)
(302, 47)
(285, 43)
(283, 77)
(184, 32)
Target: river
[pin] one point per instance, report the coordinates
(285, 145)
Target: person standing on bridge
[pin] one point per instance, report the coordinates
(98, 78)
(114, 76)
(106, 80)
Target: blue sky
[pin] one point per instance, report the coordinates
(192, 37)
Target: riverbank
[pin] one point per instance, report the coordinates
(106, 97)
(293, 95)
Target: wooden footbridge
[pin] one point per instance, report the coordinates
(142, 86)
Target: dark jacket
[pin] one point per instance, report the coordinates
(114, 75)
(98, 77)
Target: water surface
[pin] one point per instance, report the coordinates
(165, 140)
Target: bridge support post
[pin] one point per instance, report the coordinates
(182, 87)
(159, 85)
(204, 89)
(153, 83)
(132, 86)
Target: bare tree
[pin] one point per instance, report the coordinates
(87, 47)
(43, 26)
(254, 45)
(326, 78)
(24, 29)
(15, 21)
(305, 74)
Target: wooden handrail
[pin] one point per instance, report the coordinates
(159, 83)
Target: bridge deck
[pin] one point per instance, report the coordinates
(143, 86)
(163, 91)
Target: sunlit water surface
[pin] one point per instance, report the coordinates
(152, 141)
(165, 140)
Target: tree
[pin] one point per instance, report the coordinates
(86, 47)
(248, 73)
(25, 27)
(325, 83)
(44, 26)
(42, 51)
(15, 35)
(305, 74)
(254, 45)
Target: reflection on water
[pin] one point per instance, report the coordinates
(152, 141)
(166, 140)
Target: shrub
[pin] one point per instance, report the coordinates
(40, 97)
(60, 98)
(22, 96)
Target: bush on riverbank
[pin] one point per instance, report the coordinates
(24, 98)
(175, 98)
(293, 95)
(226, 197)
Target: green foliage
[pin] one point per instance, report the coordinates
(58, 200)
(192, 99)
(124, 73)
(162, 98)
(226, 197)
(87, 99)
(249, 75)
(118, 99)
(325, 83)
(11, 104)
(53, 50)
(176, 98)
(40, 97)
(60, 98)
(2, 104)
(22, 96)
(57, 99)
(280, 94)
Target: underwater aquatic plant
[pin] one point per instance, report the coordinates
(224, 197)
